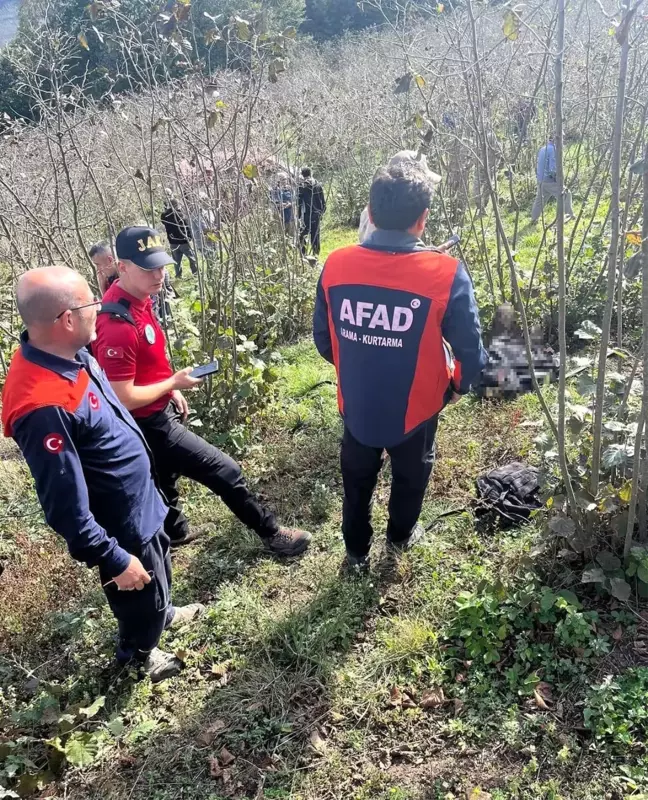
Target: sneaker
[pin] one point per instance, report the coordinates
(287, 542)
(356, 565)
(406, 544)
(190, 536)
(160, 665)
(184, 615)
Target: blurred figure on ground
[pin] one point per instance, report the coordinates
(105, 263)
(90, 463)
(367, 227)
(507, 373)
(134, 356)
(312, 207)
(178, 233)
(547, 184)
(400, 323)
(282, 199)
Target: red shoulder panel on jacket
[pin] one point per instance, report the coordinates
(30, 386)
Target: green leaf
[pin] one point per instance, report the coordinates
(251, 171)
(619, 589)
(420, 81)
(511, 27)
(81, 749)
(588, 330)
(642, 573)
(93, 710)
(290, 33)
(547, 600)
(608, 561)
(116, 726)
(562, 526)
(570, 597)
(617, 455)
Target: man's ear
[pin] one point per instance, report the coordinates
(420, 222)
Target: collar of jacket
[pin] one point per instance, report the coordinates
(64, 367)
(393, 242)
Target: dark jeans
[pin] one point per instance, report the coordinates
(143, 615)
(180, 250)
(311, 228)
(178, 452)
(411, 464)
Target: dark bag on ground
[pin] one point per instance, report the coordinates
(510, 491)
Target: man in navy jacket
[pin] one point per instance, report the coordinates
(400, 323)
(90, 463)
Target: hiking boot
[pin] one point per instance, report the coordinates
(184, 615)
(406, 544)
(190, 536)
(287, 542)
(160, 665)
(356, 565)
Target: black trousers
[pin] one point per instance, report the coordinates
(411, 464)
(143, 615)
(180, 250)
(311, 228)
(178, 452)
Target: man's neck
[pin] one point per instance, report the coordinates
(126, 287)
(43, 342)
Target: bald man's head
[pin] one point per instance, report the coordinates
(43, 293)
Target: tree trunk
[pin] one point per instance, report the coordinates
(623, 38)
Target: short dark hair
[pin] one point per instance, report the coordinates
(398, 196)
(99, 247)
(306, 172)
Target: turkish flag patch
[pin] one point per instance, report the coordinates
(53, 443)
(113, 352)
(93, 400)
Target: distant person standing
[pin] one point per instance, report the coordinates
(282, 199)
(312, 207)
(105, 263)
(547, 184)
(178, 233)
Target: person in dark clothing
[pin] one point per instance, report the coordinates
(178, 233)
(91, 464)
(134, 356)
(400, 323)
(312, 207)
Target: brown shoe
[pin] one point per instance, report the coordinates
(287, 542)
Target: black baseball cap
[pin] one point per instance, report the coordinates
(143, 246)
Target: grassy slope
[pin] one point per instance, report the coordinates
(292, 667)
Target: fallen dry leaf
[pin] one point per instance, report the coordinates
(477, 794)
(317, 743)
(226, 757)
(181, 653)
(408, 701)
(255, 707)
(617, 634)
(395, 696)
(432, 698)
(218, 670)
(227, 776)
(543, 696)
(215, 768)
(207, 736)
(458, 706)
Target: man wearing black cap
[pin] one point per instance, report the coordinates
(133, 354)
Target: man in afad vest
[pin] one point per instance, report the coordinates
(132, 350)
(90, 463)
(399, 322)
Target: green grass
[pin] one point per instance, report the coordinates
(313, 682)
